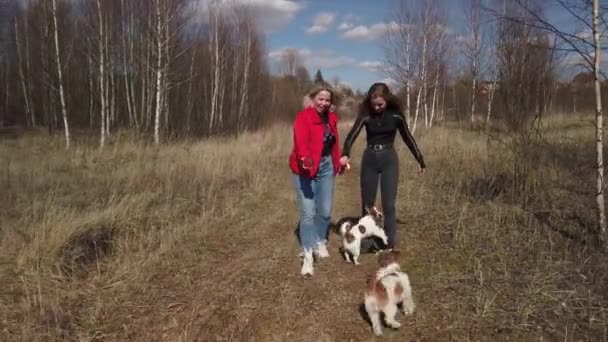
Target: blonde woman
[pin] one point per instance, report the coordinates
(315, 161)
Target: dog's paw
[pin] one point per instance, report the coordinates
(394, 325)
(378, 331)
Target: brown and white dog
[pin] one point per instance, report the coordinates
(386, 288)
(352, 233)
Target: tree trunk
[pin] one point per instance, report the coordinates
(189, 96)
(126, 66)
(242, 124)
(132, 64)
(102, 77)
(434, 100)
(91, 85)
(417, 109)
(111, 87)
(422, 85)
(442, 100)
(599, 198)
(28, 71)
(474, 87)
(159, 53)
(165, 84)
(214, 42)
(28, 109)
(64, 111)
(422, 93)
(408, 70)
(490, 100)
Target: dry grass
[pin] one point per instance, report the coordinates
(195, 241)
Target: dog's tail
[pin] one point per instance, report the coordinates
(337, 226)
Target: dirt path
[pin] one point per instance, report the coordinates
(256, 292)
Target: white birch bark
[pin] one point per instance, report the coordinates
(126, 64)
(490, 100)
(101, 77)
(245, 92)
(158, 71)
(599, 198)
(434, 100)
(28, 70)
(408, 71)
(20, 65)
(64, 111)
(214, 42)
(91, 80)
(189, 101)
(422, 85)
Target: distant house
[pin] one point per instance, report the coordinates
(583, 80)
(485, 86)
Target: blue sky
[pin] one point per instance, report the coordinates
(342, 38)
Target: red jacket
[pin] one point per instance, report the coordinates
(308, 142)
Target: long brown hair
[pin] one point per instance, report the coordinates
(379, 89)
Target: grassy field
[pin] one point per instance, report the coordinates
(195, 241)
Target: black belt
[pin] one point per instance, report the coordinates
(379, 147)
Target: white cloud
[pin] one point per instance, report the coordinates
(345, 26)
(270, 14)
(317, 59)
(321, 22)
(348, 21)
(372, 32)
(373, 66)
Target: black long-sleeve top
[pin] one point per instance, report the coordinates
(381, 129)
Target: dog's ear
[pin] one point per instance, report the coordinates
(386, 258)
(377, 212)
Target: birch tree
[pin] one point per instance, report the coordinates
(589, 15)
(398, 52)
(216, 66)
(248, 28)
(438, 55)
(102, 76)
(22, 74)
(130, 65)
(127, 27)
(58, 64)
(599, 118)
(473, 45)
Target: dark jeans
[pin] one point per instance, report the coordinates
(380, 166)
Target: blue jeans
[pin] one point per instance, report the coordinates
(314, 197)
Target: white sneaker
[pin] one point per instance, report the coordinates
(307, 262)
(321, 250)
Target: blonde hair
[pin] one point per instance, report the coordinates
(334, 97)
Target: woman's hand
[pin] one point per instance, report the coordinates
(421, 169)
(306, 163)
(345, 162)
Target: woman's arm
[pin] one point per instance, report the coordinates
(408, 138)
(352, 135)
(301, 133)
